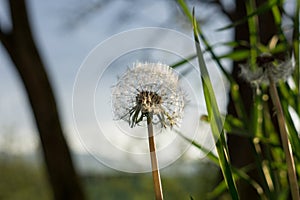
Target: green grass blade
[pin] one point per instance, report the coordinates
(238, 173)
(288, 95)
(183, 61)
(205, 41)
(278, 21)
(221, 188)
(210, 155)
(215, 119)
(236, 55)
(241, 174)
(235, 93)
(253, 33)
(293, 134)
(296, 47)
(263, 8)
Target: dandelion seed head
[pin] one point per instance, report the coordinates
(148, 90)
(267, 67)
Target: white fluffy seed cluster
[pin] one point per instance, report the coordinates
(148, 89)
(277, 70)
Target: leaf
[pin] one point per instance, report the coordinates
(216, 121)
(236, 55)
(210, 155)
(262, 9)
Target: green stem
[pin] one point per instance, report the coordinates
(285, 141)
(154, 163)
(253, 30)
(216, 121)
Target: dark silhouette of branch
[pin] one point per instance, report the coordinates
(23, 52)
(4, 38)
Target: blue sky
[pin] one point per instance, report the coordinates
(65, 41)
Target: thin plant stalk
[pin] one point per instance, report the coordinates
(216, 121)
(157, 93)
(285, 141)
(154, 163)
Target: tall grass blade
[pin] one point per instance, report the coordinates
(263, 8)
(296, 46)
(235, 93)
(215, 119)
(285, 141)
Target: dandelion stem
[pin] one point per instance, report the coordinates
(154, 163)
(285, 141)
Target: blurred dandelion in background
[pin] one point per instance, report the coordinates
(267, 66)
(271, 71)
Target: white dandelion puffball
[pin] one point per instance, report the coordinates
(148, 90)
(267, 67)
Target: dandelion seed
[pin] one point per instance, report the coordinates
(148, 90)
(267, 66)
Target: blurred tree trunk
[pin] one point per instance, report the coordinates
(239, 147)
(23, 52)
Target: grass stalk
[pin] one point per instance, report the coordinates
(285, 141)
(216, 121)
(154, 163)
(253, 30)
(296, 45)
(235, 93)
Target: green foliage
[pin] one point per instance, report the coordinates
(22, 181)
(257, 125)
(140, 186)
(215, 118)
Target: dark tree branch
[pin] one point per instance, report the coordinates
(24, 54)
(3, 37)
(6, 40)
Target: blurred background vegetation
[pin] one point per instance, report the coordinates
(21, 179)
